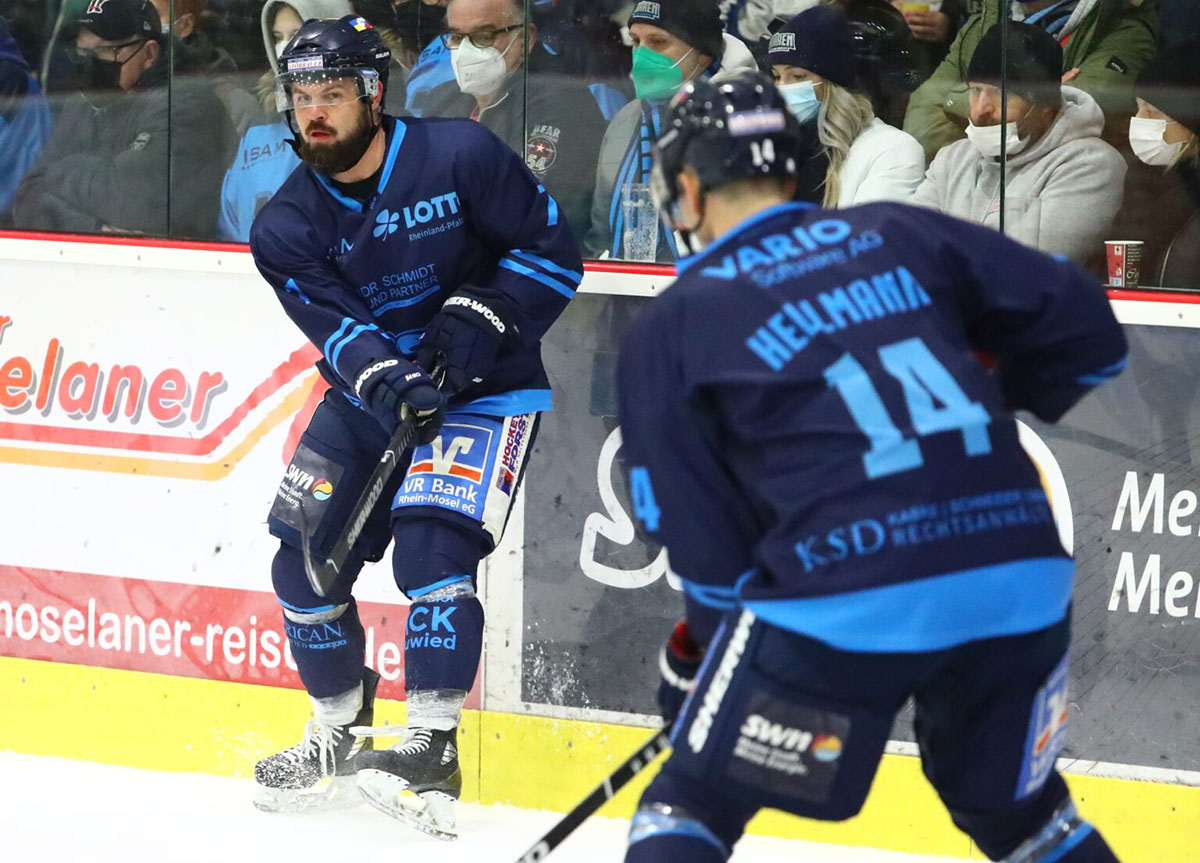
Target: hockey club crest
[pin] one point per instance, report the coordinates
(95, 7)
(541, 149)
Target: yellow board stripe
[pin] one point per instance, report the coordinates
(207, 472)
(177, 723)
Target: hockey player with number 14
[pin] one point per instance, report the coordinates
(400, 247)
(840, 486)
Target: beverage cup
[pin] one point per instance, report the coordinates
(640, 225)
(1124, 263)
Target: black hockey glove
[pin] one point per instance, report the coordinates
(468, 331)
(678, 663)
(388, 386)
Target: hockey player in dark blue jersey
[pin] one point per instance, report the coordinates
(839, 483)
(398, 246)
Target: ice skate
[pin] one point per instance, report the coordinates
(416, 781)
(318, 773)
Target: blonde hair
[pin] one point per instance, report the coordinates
(844, 116)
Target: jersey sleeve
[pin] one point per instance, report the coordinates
(315, 296)
(1047, 323)
(683, 494)
(539, 264)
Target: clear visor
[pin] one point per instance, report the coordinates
(298, 90)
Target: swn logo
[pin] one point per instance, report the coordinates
(423, 212)
(385, 224)
(425, 621)
(773, 734)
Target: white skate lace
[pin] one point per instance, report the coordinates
(319, 742)
(413, 741)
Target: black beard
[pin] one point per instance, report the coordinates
(342, 154)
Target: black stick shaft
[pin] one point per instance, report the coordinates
(604, 792)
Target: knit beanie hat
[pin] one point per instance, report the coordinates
(1171, 83)
(695, 22)
(1035, 62)
(819, 40)
(119, 20)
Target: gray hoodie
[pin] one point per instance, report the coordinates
(1077, 180)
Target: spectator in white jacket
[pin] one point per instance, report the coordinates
(813, 63)
(1062, 184)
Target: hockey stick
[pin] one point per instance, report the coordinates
(322, 574)
(604, 792)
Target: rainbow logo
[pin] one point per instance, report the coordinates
(322, 489)
(827, 747)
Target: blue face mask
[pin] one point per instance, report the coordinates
(801, 100)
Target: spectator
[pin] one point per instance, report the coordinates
(934, 24)
(1053, 150)
(264, 157)
(673, 41)
(886, 56)
(126, 154)
(751, 20)
(813, 64)
(583, 34)
(1106, 44)
(507, 80)
(24, 120)
(192, 49)
(1163, 190)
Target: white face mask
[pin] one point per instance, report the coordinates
(987, 138)
(279, 46)
(479, 71)
(1147, 138)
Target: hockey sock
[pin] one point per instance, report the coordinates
(669, 834)
(328, 644)
(444, 637)
(1091, 849)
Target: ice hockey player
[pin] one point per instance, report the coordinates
(840, 486)
(395, 243)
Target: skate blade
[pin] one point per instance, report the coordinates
(431, 812)
(339, 792)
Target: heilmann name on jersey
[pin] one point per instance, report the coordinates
(57, 394)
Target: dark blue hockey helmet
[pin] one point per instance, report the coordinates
(325, 50)
(737, 129)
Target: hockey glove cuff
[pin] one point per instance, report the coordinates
(468, 331)
(388, 387)
(679, 663)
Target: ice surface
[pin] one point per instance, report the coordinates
(61, 811)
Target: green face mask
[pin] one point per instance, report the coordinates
(655, 77)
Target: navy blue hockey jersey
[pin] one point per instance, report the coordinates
(454, 206)
(812, 434)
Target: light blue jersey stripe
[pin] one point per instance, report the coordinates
(510, 264)
(545, 264)
(932, 613)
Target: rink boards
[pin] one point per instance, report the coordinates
(150, 398)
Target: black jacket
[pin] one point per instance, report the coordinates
(565, 128)
(150, 162)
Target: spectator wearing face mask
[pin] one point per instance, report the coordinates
(1054, 153)
(1163, 190)
(813, 64)
(24, 120)
(673, 41)
(506, 79)
(129, 153)
(1106, 43)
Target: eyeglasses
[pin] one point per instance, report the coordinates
(485, 37)
(103, 53)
